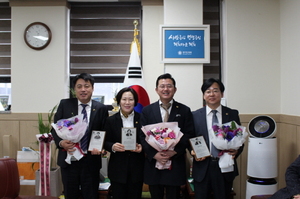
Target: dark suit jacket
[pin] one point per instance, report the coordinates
(292, 179)
(176, 176)
(123, 166)
(200, 167)
(68, 108)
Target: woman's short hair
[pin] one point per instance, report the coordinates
(127, 89)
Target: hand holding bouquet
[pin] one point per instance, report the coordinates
(72, 129)
(163, 136)
(228, 136)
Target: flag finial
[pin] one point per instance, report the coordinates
(135, 39)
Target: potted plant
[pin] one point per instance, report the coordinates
(46, 127)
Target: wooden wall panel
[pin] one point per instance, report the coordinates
(28, 131)
(287, 149)
(9, 128)
(23, 128)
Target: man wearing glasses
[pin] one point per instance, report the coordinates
(207, 174)
(166, 109)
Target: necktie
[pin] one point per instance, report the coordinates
(84, 139)
(166, 107)
(214, 150)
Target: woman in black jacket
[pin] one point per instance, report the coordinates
(125, 167)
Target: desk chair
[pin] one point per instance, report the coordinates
(261, 196)
(10, 181)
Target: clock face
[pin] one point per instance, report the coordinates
(37, 35)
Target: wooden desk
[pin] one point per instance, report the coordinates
(104, 194)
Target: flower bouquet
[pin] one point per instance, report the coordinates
(163, 136)
(72, 129)
(228, 136)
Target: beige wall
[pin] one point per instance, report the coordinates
(290, 59)
(39, 78)
(252, 56)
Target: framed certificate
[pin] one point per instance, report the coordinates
(199, 146)
(129, 138)
(97, 140)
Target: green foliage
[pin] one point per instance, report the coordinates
(72, 92)
(233, 125)
(46, 127)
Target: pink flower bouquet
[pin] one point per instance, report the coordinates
(228, 136)
(72, 129)
(163, 136)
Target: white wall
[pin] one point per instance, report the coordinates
(39, 78)
(261, 58)
(152, 68)
(290, 58)
(252, 62)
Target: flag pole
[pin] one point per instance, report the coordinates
(134, 73)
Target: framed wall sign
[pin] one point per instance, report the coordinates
(185, 44)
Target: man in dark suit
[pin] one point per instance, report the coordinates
(167, 180)
(292, 181)
(207, 174)
(81, 177)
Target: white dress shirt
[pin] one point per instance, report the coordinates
(163, 111)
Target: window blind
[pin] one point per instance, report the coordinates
(211, 16)
(5, 40)
(100, 37)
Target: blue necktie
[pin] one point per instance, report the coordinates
(84, 139)
(214, 150)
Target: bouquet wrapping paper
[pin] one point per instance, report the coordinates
(163, 136)
(72, 129)
(228, 136)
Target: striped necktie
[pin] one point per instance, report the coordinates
(84, 139)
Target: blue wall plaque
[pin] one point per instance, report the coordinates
(185, 44)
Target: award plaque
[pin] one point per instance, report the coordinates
(97, 140)
(199, 146)
(129, 138)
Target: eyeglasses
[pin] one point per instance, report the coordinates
(212, 91)
(162, 86)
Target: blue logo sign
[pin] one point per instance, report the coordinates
(184, 44)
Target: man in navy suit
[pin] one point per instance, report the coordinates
(167, 180)
(81, 177)
(207, 175)
(292, 181)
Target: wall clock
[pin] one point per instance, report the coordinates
(37, 35)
